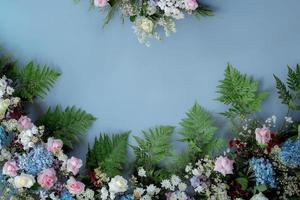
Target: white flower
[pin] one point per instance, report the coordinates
(288, 120)
(259, 196)
(118, 184)
(139, 191)
(4, 103)
(182, 187)
(152, 190)
(104, 193)
(5, 155)
(188, 168)
(166, 184)
(142, 172)
(147, 25)
(9, 90)
(24, 181)
(175, 180)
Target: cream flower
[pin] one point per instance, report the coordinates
(24, 181)
(118, 184)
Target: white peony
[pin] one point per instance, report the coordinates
(24, 181)
(118, 184)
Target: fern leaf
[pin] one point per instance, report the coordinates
(109, 153)
(67, 124)
(284, 94)
(198, 131)
(34, 81)
(240, 92)
(154, 148)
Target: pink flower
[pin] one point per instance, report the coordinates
(47, 178)
(100, 3)
(191, 4)
(25, 123)
(75, 187)
(224, 165)
(263, 135)
(73, 165)
(54, 145)
(10, 168)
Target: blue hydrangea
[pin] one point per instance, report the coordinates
(4, 139)
(263, 172)
(36, 160)
(65, 196)
(290, 153)
(125, 197)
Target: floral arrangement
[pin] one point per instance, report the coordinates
(261, 160)
(148, 16)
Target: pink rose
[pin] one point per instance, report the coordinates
(75, 187)
(25, 123)
(191, 4)
(100, 3)
(224, 165)
(10, 168)
(47, 178)
(54, 145)
(73, 165)
(263, 135)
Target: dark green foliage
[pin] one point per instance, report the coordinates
(240, 92)
(203, 11)
(109, 153)
(34, 81)
(198, 132)
(154, 147)
(66, 124)
(290, 94)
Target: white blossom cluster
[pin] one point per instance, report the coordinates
(176, 187)
(172, 8)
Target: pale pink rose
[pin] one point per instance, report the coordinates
(191, 4)
(25, 123)
(75, 187)
(54, 145)
(263, 135)
(47, 178)
(10, 168)
(100, 3)
(224, 165)
(73, 165)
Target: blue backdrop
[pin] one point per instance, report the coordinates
(130, 87)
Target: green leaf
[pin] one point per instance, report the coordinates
(239, 92)
(34, 81)
(260, 188)
(154, 147)
(243, 182)
(109, 153)
(67, 124)
(284, 94)
(198, 131)
(110, 14)
(203, 11)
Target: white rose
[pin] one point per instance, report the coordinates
(147, 25)
(24, 181)
(118, 184)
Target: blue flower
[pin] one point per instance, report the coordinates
(263, 171)
(4, 139)
(125, 197)
(65, 196)
(36, 160)
(290, 153)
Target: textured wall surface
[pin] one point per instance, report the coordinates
(130, 87)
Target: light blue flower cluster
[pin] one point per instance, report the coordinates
(4, 139)
(290, 153)
(36, 160)
(263, 171)
(125, 197)
(65, 196)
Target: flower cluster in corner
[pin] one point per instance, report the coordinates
(34, 169)
(148, 16)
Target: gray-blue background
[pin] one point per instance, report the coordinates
(130, 87)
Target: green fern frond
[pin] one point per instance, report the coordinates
(34, 81)
(109, 153)
(284, 94)
(198, 131)
(67, 124)
(154, 147)
(203, 11)
(240, 92)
